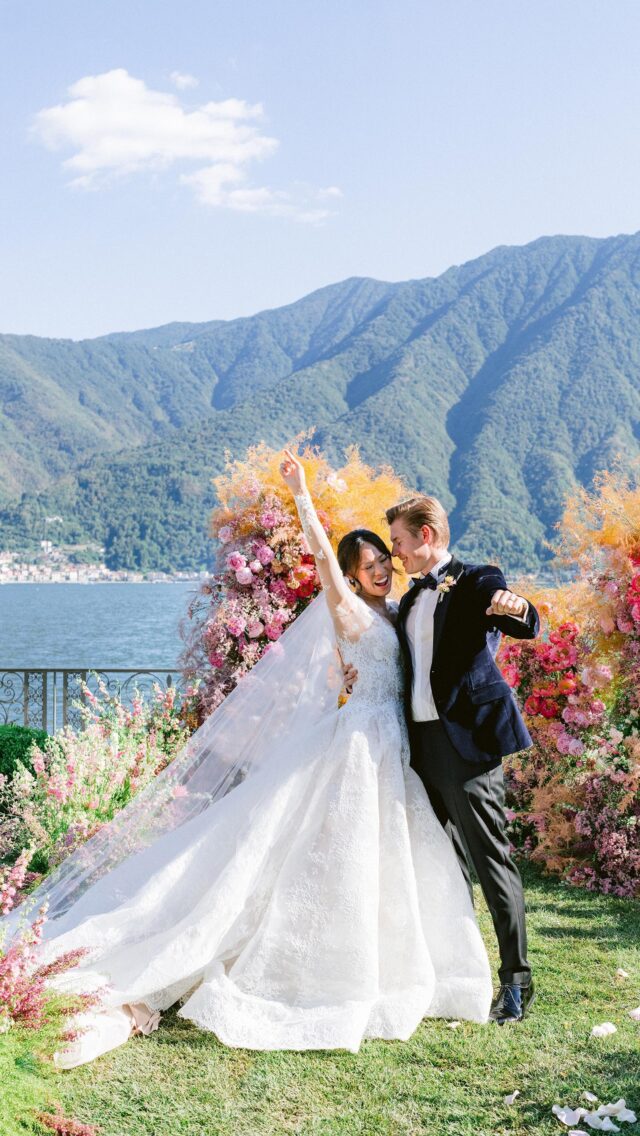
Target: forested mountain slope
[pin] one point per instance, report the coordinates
(498, 386)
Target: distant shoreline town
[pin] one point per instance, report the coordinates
(58, 571)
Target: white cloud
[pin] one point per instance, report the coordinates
(182, 81)
(118, 126)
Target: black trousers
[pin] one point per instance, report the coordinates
(469, 802)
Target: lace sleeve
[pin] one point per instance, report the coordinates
(350, 615)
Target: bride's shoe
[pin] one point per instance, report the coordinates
(103, 1030)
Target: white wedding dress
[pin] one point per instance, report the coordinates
(318, 903)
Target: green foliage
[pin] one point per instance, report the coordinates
(15, 743)
(499, 386)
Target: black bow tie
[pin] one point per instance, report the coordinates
(427, 581)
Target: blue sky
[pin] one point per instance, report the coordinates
(198, 160)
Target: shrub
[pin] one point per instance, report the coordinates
(15, 744)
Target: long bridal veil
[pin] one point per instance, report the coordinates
(280, 702)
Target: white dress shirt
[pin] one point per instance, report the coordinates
(420, 638)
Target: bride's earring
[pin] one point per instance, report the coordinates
(356, 586)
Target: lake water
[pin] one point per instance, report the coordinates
(92, 625)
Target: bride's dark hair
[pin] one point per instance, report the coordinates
(350, 548)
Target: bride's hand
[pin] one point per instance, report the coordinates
(292, 472)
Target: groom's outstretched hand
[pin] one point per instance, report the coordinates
(504, 602)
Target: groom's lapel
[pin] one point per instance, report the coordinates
(456, 569)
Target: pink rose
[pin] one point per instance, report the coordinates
(255, 566)
(216, 659)
(236, 561)
(625, 625)
(225, 534)
(255, 628)
(268, 519)
(244, 575)
(236, 626)
(273, 631)
(265, 554)
(576, 747)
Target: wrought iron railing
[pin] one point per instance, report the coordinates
(49, 698)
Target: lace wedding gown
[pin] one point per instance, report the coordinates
(327, 910)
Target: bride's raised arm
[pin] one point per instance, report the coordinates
(350, 615)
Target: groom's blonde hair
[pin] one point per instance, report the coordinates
(419, 511)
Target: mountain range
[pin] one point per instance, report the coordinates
(499, 386)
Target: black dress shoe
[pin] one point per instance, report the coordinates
(512, 1003)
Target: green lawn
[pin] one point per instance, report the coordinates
(442, 1081)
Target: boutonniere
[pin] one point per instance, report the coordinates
(447, 584)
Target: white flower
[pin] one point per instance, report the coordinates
(635, 1014)
(337, 483)
(604, 1030)
(568, 1115)
(445, 586)
(512, 1097)
(591, 1097)
(452, 1025)
(620, 973)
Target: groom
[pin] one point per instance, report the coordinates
(463, 718)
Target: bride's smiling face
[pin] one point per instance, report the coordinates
(374, 572)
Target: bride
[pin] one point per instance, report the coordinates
(285, 879)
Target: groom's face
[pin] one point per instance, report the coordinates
(413, 549)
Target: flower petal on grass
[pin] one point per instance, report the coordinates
(604, 1030)
(620, 973)
(635, 1014)
(612, 1109)
(452, 1025)
(511, 1098)
(568, 1115)
(601, 1123)
(591, 1097)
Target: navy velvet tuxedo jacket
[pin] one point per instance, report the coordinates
(476, 706)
